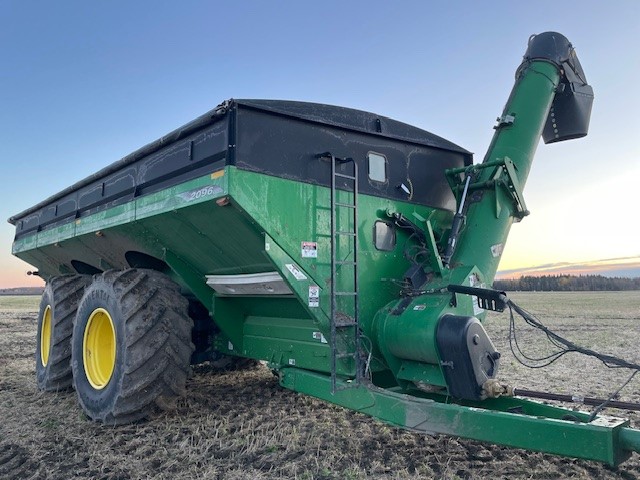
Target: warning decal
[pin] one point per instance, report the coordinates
(314, 296)
(309, 249)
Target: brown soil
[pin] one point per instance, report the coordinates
(242, 425)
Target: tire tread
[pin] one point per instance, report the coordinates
(63, 294)
(157, 344)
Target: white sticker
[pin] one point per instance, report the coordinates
(422, 306)
(295, 271)
(267, 246)
(309, 250)
(319, 336)
(474, 281)
(476, 307)
(496, 250)
(292, 361)
(314, 296)
(230, 346)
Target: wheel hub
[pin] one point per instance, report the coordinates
(45, 336)
(99, 348)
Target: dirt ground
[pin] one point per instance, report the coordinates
(242, 425)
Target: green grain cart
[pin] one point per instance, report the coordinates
(349, 251)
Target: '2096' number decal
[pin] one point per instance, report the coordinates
(199, 193)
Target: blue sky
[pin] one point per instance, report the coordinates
(84, 83)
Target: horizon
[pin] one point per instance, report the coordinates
(628, 267)
(85, 85)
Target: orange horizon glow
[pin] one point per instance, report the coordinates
(627, 266)
(20, 281)
(14, 274)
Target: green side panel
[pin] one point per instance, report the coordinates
(190, 193)
(190, 276)
(286, 341)
(299, 281)
(212, 239)
(215, 240)
(604, 439)
(112, 217)
(183, 219)
(187, 194)
(232, 313)
(55, 235)
(421, 372)
(292, 213)
(24, 244)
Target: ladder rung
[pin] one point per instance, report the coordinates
(346, 324)
(344, 262)
(346, 293)
(343, 320)
(345, 355)
(351, 234)
(347, 205)
(350, 177)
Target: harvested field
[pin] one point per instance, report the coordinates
(243, 425)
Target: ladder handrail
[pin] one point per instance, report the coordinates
(355, 325)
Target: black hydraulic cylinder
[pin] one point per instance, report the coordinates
(456, 225)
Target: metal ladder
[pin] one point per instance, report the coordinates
(346, 335)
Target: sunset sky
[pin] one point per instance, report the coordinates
(83, 84)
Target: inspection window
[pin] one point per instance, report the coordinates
(384, 236)
(377, 167)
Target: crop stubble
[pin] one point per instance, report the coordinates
(243, 425)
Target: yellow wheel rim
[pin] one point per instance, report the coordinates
(45, 336)
(99, 348)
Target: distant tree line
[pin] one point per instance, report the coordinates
(567, 283)
(22, 291)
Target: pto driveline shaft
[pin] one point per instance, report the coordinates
(576, 399)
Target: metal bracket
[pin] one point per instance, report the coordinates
(504, 177)
(488, 299)
(504, 121)
(512, 184)
(425, 235)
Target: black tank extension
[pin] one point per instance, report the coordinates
(571, 109)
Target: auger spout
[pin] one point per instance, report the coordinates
(550, 98)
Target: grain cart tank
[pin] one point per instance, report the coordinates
(348, 250)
